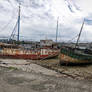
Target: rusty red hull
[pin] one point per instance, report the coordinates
(37, 54)
(31, 57)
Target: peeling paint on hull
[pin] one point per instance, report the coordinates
(69, 55)
(29, 54)
(64, 59)
(31, 57)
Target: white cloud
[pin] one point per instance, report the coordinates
(38, 17)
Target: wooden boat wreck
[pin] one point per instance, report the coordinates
(75, 55)
(15, 51)
(69, 55)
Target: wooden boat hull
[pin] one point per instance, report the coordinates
(29, 54)
(64, 59)
(71, 57)
(30, 57)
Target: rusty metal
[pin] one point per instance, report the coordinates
(28, 54)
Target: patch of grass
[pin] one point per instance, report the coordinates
(12, 68)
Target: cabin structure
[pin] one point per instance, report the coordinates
(47, 43)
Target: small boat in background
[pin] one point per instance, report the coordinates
(75, 55)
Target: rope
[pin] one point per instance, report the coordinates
(10, 21)
(73, 38)
(14, 30)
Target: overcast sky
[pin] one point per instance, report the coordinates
(39, 18)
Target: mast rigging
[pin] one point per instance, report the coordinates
(57, 30)
(18, 25)
(79, 34)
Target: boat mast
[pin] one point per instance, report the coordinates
(57, 30)
(18, 24)
(79, 34)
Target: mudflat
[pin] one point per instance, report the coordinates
(16, 80)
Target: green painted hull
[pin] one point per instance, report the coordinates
(75, 56)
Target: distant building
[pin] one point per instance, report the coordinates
(89, 45)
